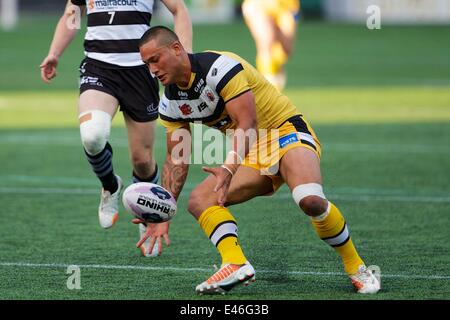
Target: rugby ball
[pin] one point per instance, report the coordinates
(149, 202)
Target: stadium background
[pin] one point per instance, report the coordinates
(379, 101)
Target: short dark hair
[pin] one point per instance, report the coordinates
(163, 35)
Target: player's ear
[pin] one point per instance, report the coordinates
(177, 47)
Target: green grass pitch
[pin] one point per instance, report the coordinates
(378, 100)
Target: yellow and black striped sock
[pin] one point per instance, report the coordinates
(333, 230)
(221, 228)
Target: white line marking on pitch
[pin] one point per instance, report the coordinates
(344, 196)
(11, 181)
(169, 268)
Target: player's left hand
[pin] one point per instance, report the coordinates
(157, 231)
(223, 177)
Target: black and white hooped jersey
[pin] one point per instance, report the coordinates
(216, 78)
(114, 28)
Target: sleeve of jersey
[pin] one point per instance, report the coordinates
(236, 86)
(171, 126)
(79, 2)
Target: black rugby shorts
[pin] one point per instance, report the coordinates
(134, 87)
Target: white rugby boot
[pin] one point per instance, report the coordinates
(108, 210)
(365, 281)
(226, 278)
(144, 246)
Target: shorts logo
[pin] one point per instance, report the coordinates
(185, 109)
(288, 139)
(91, 5)
(152, 108)
(223, 122)
(82, 68)
(90, 81)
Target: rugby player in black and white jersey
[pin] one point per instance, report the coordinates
(112, 75)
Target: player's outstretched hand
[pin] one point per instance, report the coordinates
(157, 231)
(223, 177)
(48, 68)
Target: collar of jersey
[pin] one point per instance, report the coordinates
(194, 69)
(191, 80)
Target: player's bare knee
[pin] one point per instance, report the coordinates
(310, 198)
(141, 165)
(95, 126)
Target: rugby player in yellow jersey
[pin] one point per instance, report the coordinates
(273, 25)
(223, 91)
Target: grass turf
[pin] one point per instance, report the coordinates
(395, 206)
(380, 106)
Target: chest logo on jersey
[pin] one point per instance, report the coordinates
(183, 95)
(210, 95)
(202, 106)
(185, 109)
(101, 4)
(199, 86)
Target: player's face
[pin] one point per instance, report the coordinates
(160, 61)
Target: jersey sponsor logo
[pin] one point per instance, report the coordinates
(100, 4)
(199, 86)
(182, 94)
(185, 109)
(287, 139)
(202, 106)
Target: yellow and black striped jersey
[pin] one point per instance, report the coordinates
(216, 78)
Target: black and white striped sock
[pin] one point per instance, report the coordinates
(152, 179)
(101, 164)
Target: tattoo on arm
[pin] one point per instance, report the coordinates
(174, 176)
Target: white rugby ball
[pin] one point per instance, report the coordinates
(149, 202)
